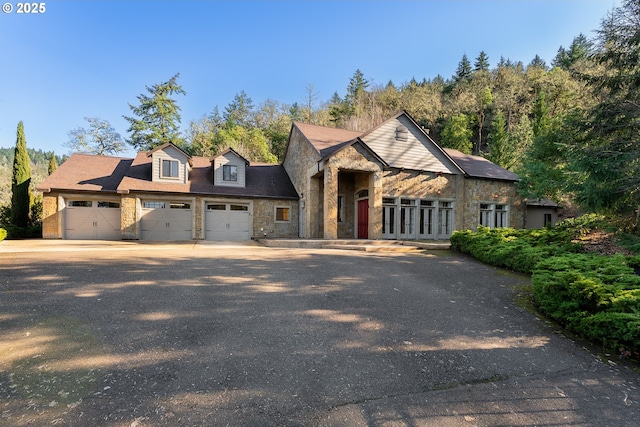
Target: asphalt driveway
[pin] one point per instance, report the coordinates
(213, 335)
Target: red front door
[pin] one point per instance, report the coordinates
(363, 219)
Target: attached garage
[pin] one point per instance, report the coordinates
(227, 221)
(86, 219)
(166, 220)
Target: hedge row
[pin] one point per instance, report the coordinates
(595, 296)
(3, 234)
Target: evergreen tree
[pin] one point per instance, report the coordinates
(606, 152)
(156, 120)
(463, 72)
(537, 62)
(456, 134)
(21, 178)
(239, 112)
(53, 164)
(482, 62)
(501, 150)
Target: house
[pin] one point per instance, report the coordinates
(165, 194)
(541, 213)
(393, 182)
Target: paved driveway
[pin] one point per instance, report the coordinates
(193, 335)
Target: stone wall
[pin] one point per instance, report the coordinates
(264, 219)
(51, 217)
(477, 191)
(129, 218)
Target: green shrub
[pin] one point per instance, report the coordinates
(518, 250)
(598, 297)
(3, 234)
(595, 296)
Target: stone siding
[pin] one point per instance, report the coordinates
(477, 191)
(51, 217)
(264, 219)
(129, 217)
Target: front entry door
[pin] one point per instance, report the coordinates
(363, 219)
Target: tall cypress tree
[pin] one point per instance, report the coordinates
(20, 181)
(53, 164)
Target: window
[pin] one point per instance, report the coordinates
(547, 220)
(153, 205)
(493, 215)
(239, 208)
(216, 207)
(179, 205)
(340, 208)
(80, 203)
(169, 168)
(112, 205)
(229, 173)
(282, 214)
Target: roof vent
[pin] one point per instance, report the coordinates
(402, 133)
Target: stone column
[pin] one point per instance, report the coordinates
(129, 218)
(51, 217)
(375, 205)
(330, 203)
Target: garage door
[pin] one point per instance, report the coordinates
(92, 219)
(162, 220)
(226, 221)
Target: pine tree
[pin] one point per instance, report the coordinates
(456, 134)
(158, 116)
(501, 151)
(482, 62)
(21, 179)
(463, 72)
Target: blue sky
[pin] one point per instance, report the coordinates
(92, 58)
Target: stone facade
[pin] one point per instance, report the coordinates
(262, 215)
(51, 217)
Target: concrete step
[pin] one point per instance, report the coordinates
(356, 244)
(372, 248)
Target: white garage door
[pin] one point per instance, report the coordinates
(162, 220)
(92, 219)
(226, 221)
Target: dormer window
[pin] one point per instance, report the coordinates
(170, 168)
(230, 173)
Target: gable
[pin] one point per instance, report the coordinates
(229, 169)
(403, 145)
(169, 164)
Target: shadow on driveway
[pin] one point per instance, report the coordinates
(181, 335)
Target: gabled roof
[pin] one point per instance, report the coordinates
(230, 150)
(165, 145)
(417, 152)
(324, 139)
(479, 167)
(82, 172)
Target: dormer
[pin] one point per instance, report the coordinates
(229, 169)
(170, 164)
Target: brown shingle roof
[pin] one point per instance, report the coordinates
(85, 172)
(100, 173)
(325, 139)
(479, 167)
